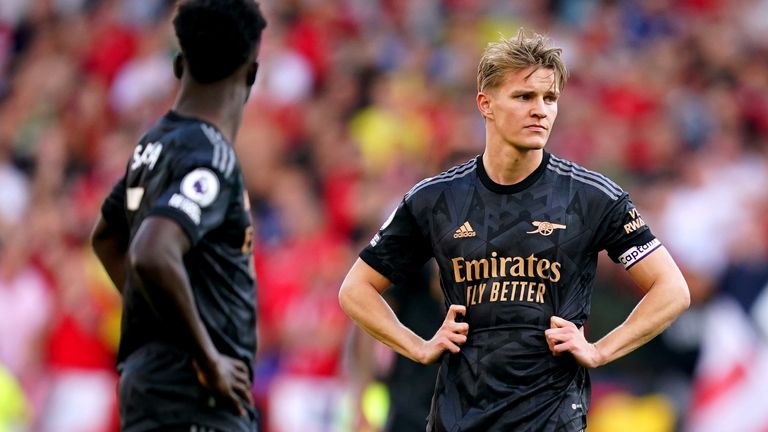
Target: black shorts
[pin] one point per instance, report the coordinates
(159, 391)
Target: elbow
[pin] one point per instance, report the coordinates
(345, 297)
(686, 297)
(351, 297)
(683, 299)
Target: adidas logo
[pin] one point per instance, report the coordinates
(464, 231)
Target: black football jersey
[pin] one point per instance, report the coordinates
(515, 255)
(185, 170)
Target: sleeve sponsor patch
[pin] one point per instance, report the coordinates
(634, 254)
(201, 186)
(187, 206)
(635, 223)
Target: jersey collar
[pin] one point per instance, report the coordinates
(517, 187)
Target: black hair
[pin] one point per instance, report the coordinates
(217, 36)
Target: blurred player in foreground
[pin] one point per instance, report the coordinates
(175, 237)
(516, 233)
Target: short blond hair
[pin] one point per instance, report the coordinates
(513, 54)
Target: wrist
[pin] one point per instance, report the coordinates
(599, 358)
(207, 360)
(417, 351)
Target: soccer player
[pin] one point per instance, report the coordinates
(175, 237)
(516, 233)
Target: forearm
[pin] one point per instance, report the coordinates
(365, 305)
(663, 303)
(166, 286)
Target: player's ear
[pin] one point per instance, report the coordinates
(484, 105)
(250, 74)
(178, 66)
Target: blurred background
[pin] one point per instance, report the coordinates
(356, 101)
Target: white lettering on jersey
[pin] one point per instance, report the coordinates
(634, 254)
(201, 186)
(187, 206)
(146, 155)
(636, 222)
(133, 198)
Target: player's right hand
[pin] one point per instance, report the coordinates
(449, 336)
(229, 379)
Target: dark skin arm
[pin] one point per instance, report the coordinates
(156, 256)
(111, 246)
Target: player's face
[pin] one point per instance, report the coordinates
(522, 110)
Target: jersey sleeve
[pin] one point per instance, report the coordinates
(399, 249)
(113, 208)
(196, 197)
(624, 234)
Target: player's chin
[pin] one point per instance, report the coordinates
(534, 145)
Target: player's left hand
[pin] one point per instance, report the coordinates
(564, 336)
(228, 378)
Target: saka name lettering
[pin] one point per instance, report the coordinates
(146, 155)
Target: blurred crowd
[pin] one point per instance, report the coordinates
(356, 101)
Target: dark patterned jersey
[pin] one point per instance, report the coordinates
(515, 256)
(183, 169)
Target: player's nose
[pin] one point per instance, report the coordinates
(538, 109)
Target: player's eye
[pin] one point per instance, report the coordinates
(550, 99)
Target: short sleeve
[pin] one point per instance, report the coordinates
(399, 249)
(196, 197)
(624, 234)
(113, 208)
